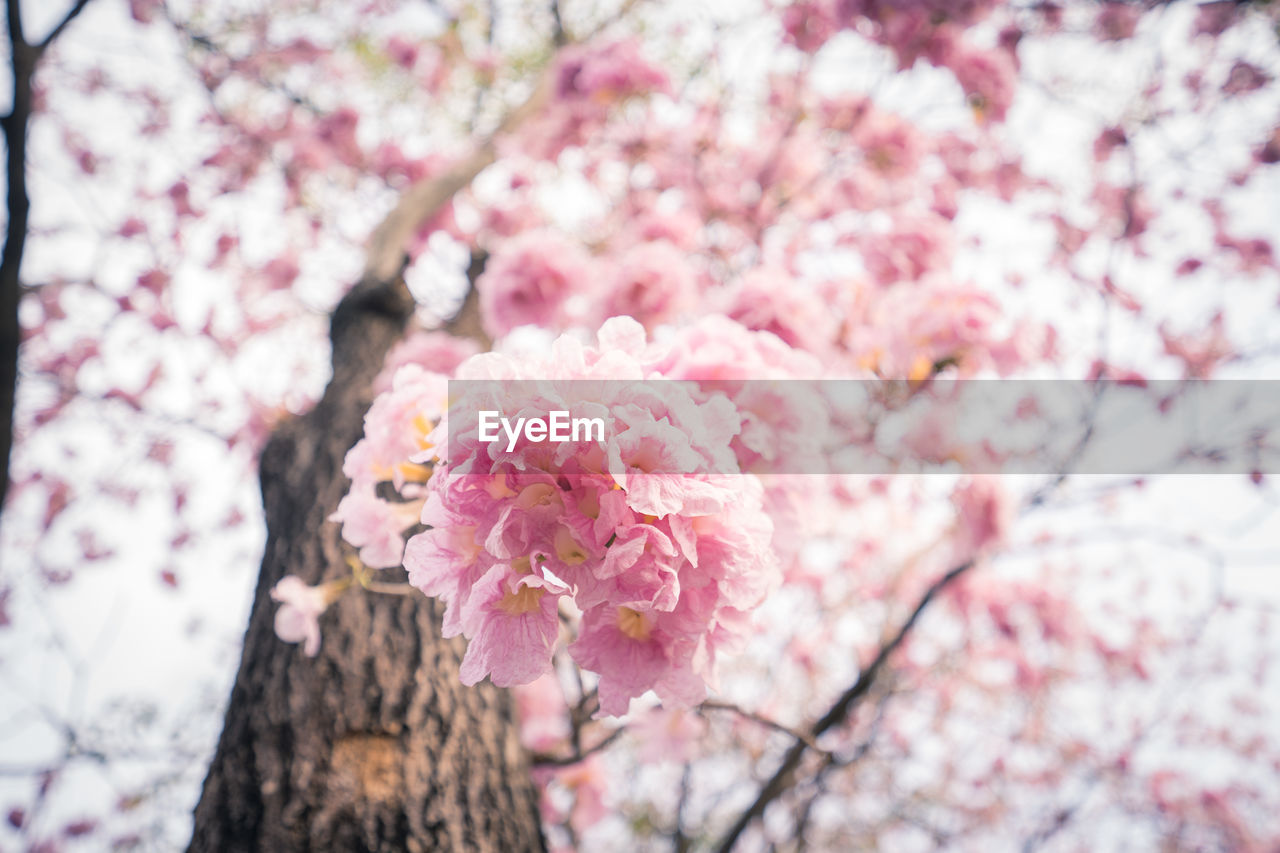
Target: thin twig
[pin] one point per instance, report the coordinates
(543, 759)
(714, 705)
(783, 777)
(680, 840)
(390, 588)
(62, 25)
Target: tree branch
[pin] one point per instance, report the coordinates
(784, 777)
(466, 323)
(22, 61)
(13, 13)
(580, 754)
(714, 705)
(559, 37)
(23, 58)
(423, 200)
(62, 25)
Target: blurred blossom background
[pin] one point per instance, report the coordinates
(871, 189)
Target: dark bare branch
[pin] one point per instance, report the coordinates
(22, 61)
(559, 36)
(545, 760)
(784, 777)
(71, 15)
(13, 14)
(713, 705)
(23, 58)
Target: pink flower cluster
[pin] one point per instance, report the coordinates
(646, 544)
(590, 79)
(545, 279)
(605, 72)
(396, 434)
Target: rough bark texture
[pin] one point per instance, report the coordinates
(374, 744)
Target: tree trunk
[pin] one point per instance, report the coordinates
(374, 744)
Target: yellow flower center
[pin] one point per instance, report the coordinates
(523, 600)
(921, 368)
(415, 473)
(539, 494)
(424, 427)
(589, 505)
(568, 549)
(633, 623)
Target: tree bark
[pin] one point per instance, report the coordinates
(374, 744)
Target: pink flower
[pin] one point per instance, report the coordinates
(511, 615)
(680, 228)
(337, 131)
(1116, 21)
(396, 429)
(890, 146)
(1213, 19)
(533, 280)
(587, 781)
(808, 24)
(653, 283)
(297, 620)
(988, 77)
(1126, 206)
(402, 51)
(590, 80)
(281, 272)
(395, 449)
(1108, 140)
(669, 735)
(375, 526)
(909, 32)
(769, 299)
(437, 352)
(909, 330)
(447, 560)
(544, 718)
(916, 245)
(718, 348)
(781, 421)
(604, 72)
(651, 457)
(985, 512)
(631, 654)
(143, 11)
(1200, 353)
(1245, 77)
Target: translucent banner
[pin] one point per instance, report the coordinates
(864, 427)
